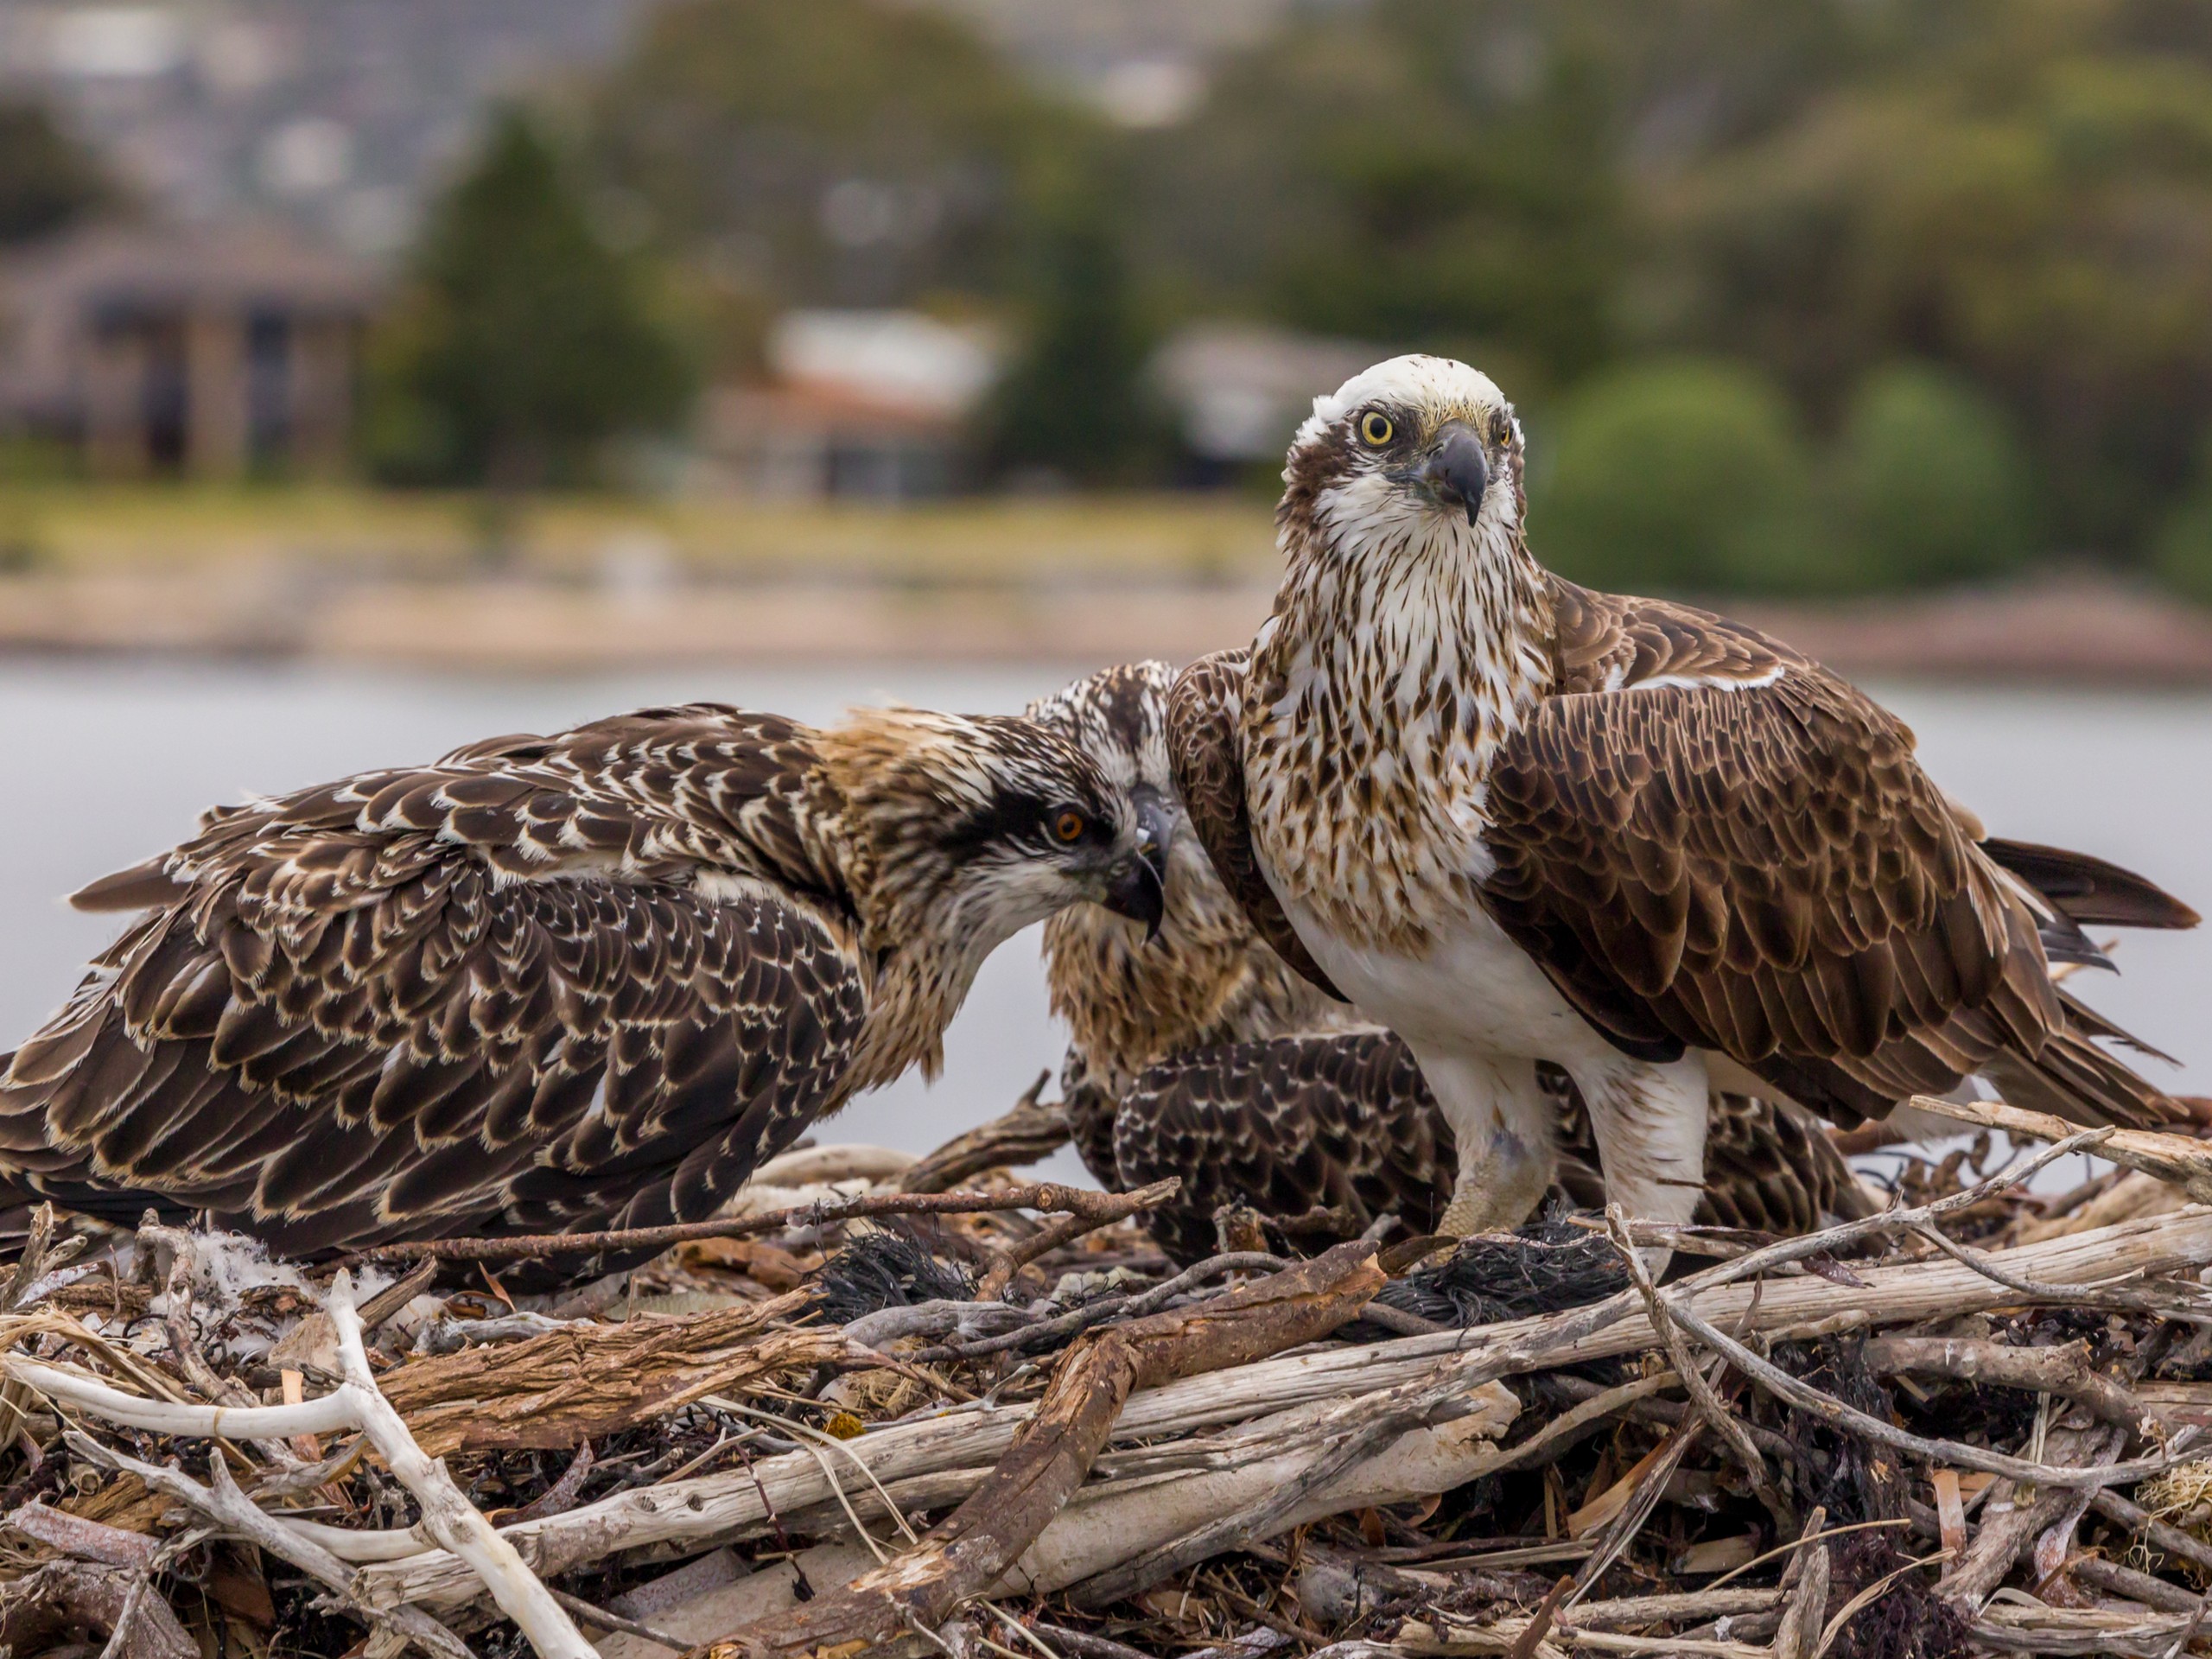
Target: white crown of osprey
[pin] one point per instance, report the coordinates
(1441, 386)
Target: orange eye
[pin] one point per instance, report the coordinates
(1068, 826)
(1374, 428)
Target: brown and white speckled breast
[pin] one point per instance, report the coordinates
(1378, 695)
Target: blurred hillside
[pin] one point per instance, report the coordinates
(1845, 296)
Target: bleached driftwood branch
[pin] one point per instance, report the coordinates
(295, 1541)
(722, 1503)
(2177, 1158)
(447, 1515)
(449, 1519)
(1155, 1495)
(964, 1555)
(1045, 1197)
(850, 1160)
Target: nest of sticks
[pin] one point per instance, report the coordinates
(924, 1407)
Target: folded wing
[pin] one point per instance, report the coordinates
(583, 982)
(1708, 842)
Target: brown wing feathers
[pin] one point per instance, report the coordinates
(2088, 890)
(1297, 1123)
(348, 1021)
(1284, 1126)
(1204, 746)
(1738, 851)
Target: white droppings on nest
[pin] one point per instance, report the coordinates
(1076, 1287)
(227, 1267)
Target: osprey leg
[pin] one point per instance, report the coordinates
(1649, 1122)
(1507, 1131)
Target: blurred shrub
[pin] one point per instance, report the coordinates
(47, 180)
(2022, 192)
(1677, 474)
(1933, 480)
(2034, 208)
(2182, 553)
(526, 343)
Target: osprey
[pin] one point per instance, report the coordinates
(1521, 822)
(584, 981)
(1199, 1052)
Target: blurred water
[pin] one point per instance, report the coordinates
(107, 762)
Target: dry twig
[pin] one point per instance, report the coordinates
(1046, 1196)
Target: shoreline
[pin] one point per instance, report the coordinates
(2076, 632)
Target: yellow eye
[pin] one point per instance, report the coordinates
(1068, 826)
(1374, 428)
(1505, 432)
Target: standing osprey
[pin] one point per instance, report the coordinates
(577, 981)
(1520, 822)
(1198, 1052)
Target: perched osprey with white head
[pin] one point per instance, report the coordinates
(570, 982)
(1198, 1053)
(1518, 822)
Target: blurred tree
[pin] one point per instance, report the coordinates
(526, 342)
(46, 179)
(2018, 190)
(1072, 403)
(2032, 204)
(1933, 481)
(1677, 475)
(1465, 176)
(840, 152)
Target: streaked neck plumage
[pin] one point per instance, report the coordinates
(924, 931)
(1405, 646)
(1206, 979)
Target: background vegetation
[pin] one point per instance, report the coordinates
(1826, 297)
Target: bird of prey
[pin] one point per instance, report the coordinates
(1203, 979)
(1518, 821)
(1200, 1053)
(568, 982)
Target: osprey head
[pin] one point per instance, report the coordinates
(1118, 716)
(1401, 450)
(983, 824)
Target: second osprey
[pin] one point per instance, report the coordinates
(1516, 820)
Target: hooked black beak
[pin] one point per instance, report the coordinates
(1136, 890)
(1456, 470)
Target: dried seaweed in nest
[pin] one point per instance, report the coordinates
(1545, 1266)
(1850, 1476)
(1908, 1620)
(886, 1268)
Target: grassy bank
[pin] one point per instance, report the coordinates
(84, 529)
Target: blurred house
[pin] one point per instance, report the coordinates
(871, 405)
(1238, 391)
(202, 351)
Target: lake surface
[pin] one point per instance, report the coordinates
(107, 762)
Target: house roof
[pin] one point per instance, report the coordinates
(1242, 388)
(52, 292)
(162, 265)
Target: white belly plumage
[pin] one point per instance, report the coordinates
(1474, 990)
(1478, 1012)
